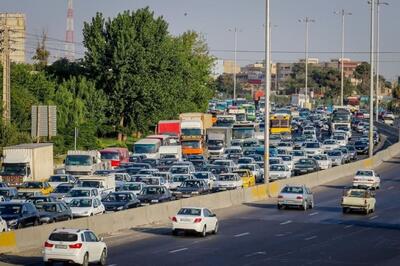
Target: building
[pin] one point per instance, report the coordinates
(311, 61)
(218, 68)
(349, 66)
(284, 71)
(16, 24)
(230, 67)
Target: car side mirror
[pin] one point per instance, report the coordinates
(213, 215)
(101, 239)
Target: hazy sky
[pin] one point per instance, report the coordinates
(214, 18)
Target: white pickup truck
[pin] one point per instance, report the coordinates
(358, 199)
(366, 179)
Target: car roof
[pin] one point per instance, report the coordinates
(69, 230)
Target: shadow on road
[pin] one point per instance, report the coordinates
(367, 224)
(8, 259)
(334, 187)
(261, 205)
(160, 231)
(392, 161)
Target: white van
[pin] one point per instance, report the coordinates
(148, 147)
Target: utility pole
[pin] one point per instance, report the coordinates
(377, 86)
(235, 31)
(307, 21)
(6, 74)
(343, 13)
(371, 89)
(267, 91)
(69, 34)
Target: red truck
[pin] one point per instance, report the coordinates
(115, 156)
(169, 127)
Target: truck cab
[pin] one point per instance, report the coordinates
(80, 163)
(104, 183)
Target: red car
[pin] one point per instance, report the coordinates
(359, 115)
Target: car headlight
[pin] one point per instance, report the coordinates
(12, 222)
(120, 208)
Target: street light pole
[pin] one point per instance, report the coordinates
(306, 20)
(343, 13)
(235, 31)
(371, 89)
(267, 44)
(377, 87)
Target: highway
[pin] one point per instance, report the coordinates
(259, 234)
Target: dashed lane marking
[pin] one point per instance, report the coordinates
(177, 250)
(242, 234)
(286, 222)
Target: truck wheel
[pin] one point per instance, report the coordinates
(345, 210)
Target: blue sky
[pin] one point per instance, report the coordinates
(214, 18)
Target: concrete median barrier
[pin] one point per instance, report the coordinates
(34, 237)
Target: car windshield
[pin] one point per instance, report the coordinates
(83, 160)
(151, 181)
(274, 161)
(43, 207)
(339, 137)
(58, 178)
(294, 190)
(190, 211)
(360, 143)
(179, 170)
(32, 185)
(4, 192)
(320, 157)
(109, 156)
(132, 187)
(191, 144)
(81, 203)
(298, 153)
(245, 161)
(227, 178)
(232, 151)
(312, 145)
(117, 197)
(276, 167)
(10, 209)
(334, 153)
(179, 178)
(364, 173)
(145, 148)
(119, 177)
(201, 175)
(63, 237)
(286, 158)
(356, 193)
(62, 189)
(251, 167)
(94, 184)
(329, 142)
(151, 191)
(191, 184)
(79, 193)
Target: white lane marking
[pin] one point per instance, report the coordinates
(310, 238)
(314, 213)
(256, 253)
(279, 235)
(112, 265)
(242, 234)
(373, 217)
(287, 222)
(177, 250)
(390, 188)
(348, 226)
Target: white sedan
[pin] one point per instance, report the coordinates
(323, 161)
(366, 178)
(3, 225)
(228, 181)
(194, 219)
(83, 207)
(279, 171)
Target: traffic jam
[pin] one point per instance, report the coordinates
(197, 154)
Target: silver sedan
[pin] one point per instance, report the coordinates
(298, 196)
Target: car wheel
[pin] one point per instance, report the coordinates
(204, 232)
(48, 263)
(305, 205)
(174, 232)
(19, 226)
(345, 210)
(280, 206)
(85, 261)
(215, 231)
(36, 223)
(312, 205)
(103, 258)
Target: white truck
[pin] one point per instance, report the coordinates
(80, 163)
(27, 162)
(172, 151)
(218, 138)
(104, 183)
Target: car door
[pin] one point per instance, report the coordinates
(96, 206)
(92, 246)
(211, 219)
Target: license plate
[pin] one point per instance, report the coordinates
(61, 246)
(185, 220)
(154, 201)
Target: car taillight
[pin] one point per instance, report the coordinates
(280, 197)
(299, 197)
(197, 220)
(370, 180)
(48, 245)
(77, 245)
(174, 219)
(115, 163)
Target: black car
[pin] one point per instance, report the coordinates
(118, 201)
(217, 169)
(62, 190)
(154, 194)
(19, 214)
(192, 187)
(199, 164)
(305, 166)
(151, 161)
(51, 212)
(8, 192)
(361, 146)
(137, 158)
